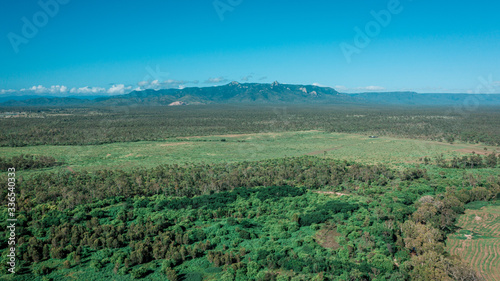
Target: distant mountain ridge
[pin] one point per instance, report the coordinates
(257, 93)
(233, 92)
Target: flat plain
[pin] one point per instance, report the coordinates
(395, 152)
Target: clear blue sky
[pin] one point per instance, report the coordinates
(115, 46)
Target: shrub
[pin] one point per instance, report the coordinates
(96, 264)
(170, 273)
(140, 272)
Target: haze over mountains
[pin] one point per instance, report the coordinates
(255, 93)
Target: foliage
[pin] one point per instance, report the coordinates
(99, 125)
(26, 161)
(246, 231)
(249, 220)
(468, 162)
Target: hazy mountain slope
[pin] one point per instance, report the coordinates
(48, 101)
(234, 93)
(275, 93)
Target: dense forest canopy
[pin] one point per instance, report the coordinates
(262, 219)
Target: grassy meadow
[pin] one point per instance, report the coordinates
(396, 152)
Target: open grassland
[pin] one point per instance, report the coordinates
(245, 147)
(478, 240)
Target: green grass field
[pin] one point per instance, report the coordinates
(246, 147)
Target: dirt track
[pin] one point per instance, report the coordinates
(330, 192)
(477, 151)
(174, 143)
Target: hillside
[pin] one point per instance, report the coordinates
(233, 92)
(48, 101)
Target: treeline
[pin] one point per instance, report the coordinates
(69, 189)
(473, 161)
(95, 126)
(27, 161)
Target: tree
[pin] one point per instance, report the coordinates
(421, 238)
(170, 273)
(491, 160)
(428, 266)
(460, 270)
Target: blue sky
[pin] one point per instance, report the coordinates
(112, 47)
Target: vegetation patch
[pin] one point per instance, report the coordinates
(254, 207)
(327, 237)
(478, 241)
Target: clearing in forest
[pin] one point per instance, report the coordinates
(243, 147)
(326, 237)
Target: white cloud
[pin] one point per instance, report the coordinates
(174, 83)
(216, 80)
(118, 89)
(155, 84)
(61, 90)
(54, 89)
(115, 89)
(341, 88)
(88, 90)
(372, 88)
(167, 84)
(6, 91)
(142, 83)
(246, 78)
(319, 85)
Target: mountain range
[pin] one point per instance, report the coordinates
(257, 93)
